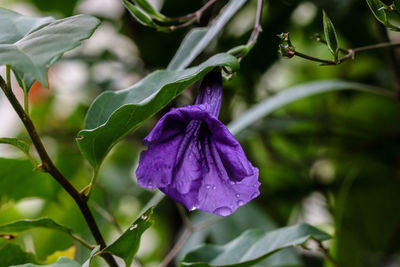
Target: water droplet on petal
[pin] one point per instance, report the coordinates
(255, 185)
(193, 208)
(232, 182)
(240, 202)
(208, 187)
(223, 211)
(133, 227)
(237, 195)
(150, 183)
(214, 187)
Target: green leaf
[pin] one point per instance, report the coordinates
(253, 246)
(293, 94)
(198, 39)
(62, 262)
(114, 114)
(20, 172)
(142, 16)
(13, 26)
(25, 225)
(127, 245)
(330, 36)
(379, 10)
(25, 80)
(34, 51)
(92, 254)
(11, 254)
(21, 226)
(22, 145)
(146, 7)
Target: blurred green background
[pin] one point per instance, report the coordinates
(331, 160)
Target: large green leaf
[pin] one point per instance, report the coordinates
(252, 246)
(11, 254)
(114, 114)
(26, 225)
(32, 51)
(127, 245)
(13, 26)
(293, 94)
(19, 180)
(61, 262)
(198, 39)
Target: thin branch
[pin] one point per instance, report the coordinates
(197, 13)
(184, 217)
(49, 167)
(323, 61)
(177, 247)
(83, 242)
(107, 215)
(257, 25)
(189, 230)
(8, 77)
(350, 53)
(327, 255)
(91, 185)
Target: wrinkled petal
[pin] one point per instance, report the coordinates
(193, 158)
(219, 193)
(172, 158)
(157, 162)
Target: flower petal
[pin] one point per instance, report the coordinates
(193, 158)
(230, 151)
(173, 158)
(157, 162)
(220, 195)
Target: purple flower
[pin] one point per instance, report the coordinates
(193, 158)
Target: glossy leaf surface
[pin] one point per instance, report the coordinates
(252, 246)
(41, 41)
(127, 245)
(114, 114)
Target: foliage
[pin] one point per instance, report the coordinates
(322, 126)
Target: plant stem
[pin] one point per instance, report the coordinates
(197, 13)
(91, 184)
(178, 245)
(8, 77)
(26, 102)
(257, 25)
(349, 55)
(189, 230)
(49, 167)
(327, 255)
(323, 61)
